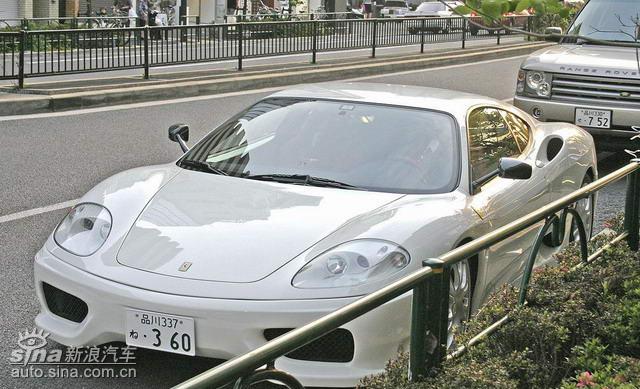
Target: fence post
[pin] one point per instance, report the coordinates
(429, 321)
(24, 24)
(632, 210)
(373, 41)
(314, 41)
(23, 43)
(240, 40)
(146, 52)
(423, 27)
(465, 25)
(498, 34)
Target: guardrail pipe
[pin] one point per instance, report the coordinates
(314, 41)
(23, 43)
(426, 328)
(146, 52)
(632, 210)
(423, 27)
(240, 31)
(374, 37)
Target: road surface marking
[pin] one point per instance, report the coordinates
(37, 211)
(232, 94)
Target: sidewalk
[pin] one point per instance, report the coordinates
(58, 95)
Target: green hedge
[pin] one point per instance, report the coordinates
(580, 329)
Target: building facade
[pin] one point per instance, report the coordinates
(14, 9)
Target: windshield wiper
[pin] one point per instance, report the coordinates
(202, 166)
(302, 179)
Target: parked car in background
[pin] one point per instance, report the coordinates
(394, 9)
(593, 85)
(444, 19)
(300, 204)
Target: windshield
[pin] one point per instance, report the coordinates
(612, 20)
(373, 147)
(431, 7)
(401, 4)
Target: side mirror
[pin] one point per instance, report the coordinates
(180, 133)
(553, 30)
(514, 169)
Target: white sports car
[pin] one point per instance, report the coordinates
(300, 204)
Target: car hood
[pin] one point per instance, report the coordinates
(588, 60)
(215, 228)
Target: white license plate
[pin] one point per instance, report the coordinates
(159, 331)
(595, 118)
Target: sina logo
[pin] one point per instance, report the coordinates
(29, 344)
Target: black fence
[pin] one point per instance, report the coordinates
(26, 54)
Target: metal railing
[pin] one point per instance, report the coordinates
(430, 287)
(26, 54)
(282, 16)
(68, 22)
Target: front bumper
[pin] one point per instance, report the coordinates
(223, 328)
(560, 111)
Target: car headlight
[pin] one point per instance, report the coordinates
(534, 83)
(351, 264)
(84, 230)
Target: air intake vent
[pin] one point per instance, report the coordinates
(63, 304)
(336, 346)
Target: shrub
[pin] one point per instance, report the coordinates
(580, 328)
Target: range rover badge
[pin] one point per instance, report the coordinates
(625, 94)
(185, 266)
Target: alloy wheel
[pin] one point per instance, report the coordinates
(585, 209)
(459, 300)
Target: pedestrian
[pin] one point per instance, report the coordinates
(130, 7)
(143, 13)
(366, 9)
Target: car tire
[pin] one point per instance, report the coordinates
(585, 208)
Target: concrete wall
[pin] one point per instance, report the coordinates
(45, 8)
(9, 10)
(25, 8)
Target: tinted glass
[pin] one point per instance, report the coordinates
(614, 20)
(519, 129)
(489, 140)
(375, 147)
(395, 4)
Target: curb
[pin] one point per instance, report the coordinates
(178, 89)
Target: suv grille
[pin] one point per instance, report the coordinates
(596, 89)
(63, 304)
(336, 346)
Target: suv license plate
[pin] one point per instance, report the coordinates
(594, 118)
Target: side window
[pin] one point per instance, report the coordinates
(519, 128)
(489, 140)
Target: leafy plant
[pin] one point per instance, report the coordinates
(493, 10)
(579, 329)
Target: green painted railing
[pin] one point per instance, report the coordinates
(430, 287)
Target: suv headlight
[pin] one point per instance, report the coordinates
(351, 264)
(534, 83)
(84, 230)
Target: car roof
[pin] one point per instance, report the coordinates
(453, 102)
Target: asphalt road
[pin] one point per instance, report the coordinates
(95, 59)
(50, 159)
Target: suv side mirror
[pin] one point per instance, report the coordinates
(180, 133)
(514, 169)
